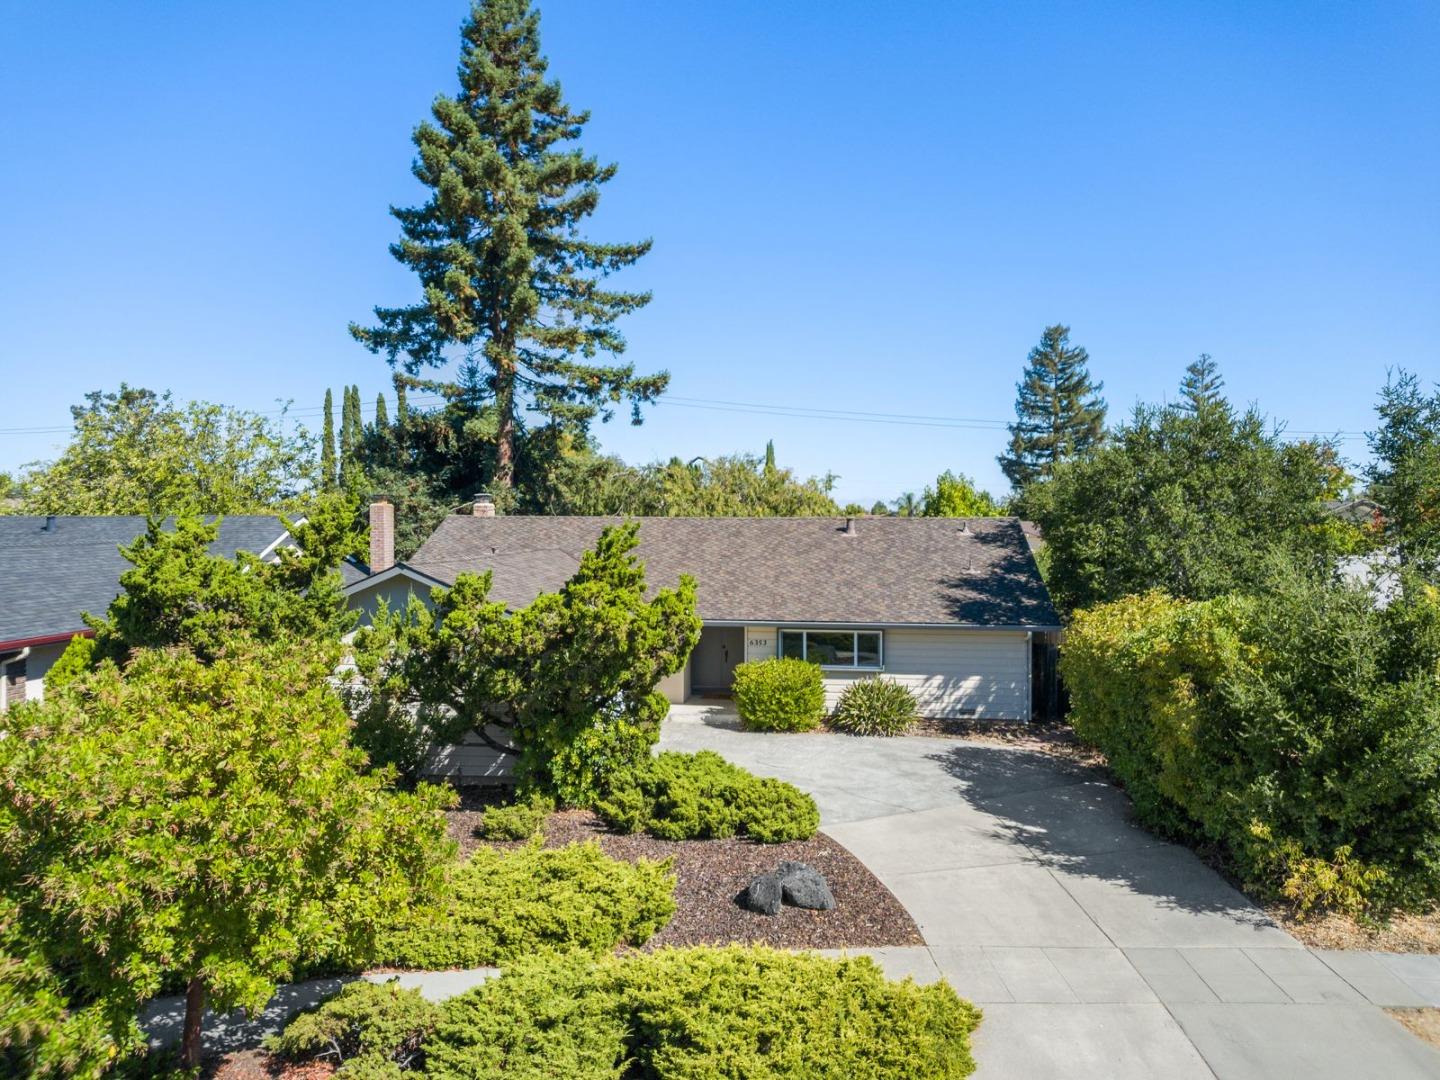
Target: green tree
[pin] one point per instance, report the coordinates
(1404, 473)
(508, 280)
(208, 822)
(1200, 389)
(907, 505)
(352, 431)
(1059, 413)
(179, 592)
(568, 683)
(382, 415)
(879, 508)
(137, 452)
(402, 407)
(770, 455)
(1194, 504)
(955, 495)
(737, 485)
(328, 475)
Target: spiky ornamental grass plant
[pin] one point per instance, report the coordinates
(508, 280)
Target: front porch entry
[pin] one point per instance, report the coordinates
(712, 664)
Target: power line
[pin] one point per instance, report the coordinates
(799, 412)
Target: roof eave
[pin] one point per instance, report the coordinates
(44, 639)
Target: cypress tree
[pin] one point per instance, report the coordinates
(1200, 389)
(382, 415)
(402, 408)
(1059, 412)
(327, 444)
(770, 456)
(507, 277)
(349, 434)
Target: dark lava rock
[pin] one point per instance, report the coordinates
(804, 887)
(762, 895)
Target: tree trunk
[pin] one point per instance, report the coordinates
(505, 435)
(194, 1015)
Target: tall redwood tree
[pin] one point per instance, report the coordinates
(510, 284)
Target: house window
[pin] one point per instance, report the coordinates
(834, 648)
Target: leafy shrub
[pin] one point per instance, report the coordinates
(1300, 729)
(780, 694)
(521, 819)
(703, 1014)
(699, 796)
(875, 706)
(504, 904)
(365, 1026)
(567, 683)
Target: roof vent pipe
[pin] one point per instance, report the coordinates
(484, 505)
(49, 525)
(849, 529)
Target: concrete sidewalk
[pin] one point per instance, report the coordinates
(161, 1020)
(1095, 949)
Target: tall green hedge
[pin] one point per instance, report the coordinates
(1301, 729)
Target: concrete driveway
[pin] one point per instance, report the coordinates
(1095, 949)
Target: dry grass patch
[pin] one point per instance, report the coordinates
(1422, 1023)
(1402, 934)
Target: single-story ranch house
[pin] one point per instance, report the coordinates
(951, 607)
(55, 569)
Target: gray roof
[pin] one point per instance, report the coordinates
(891, 571)
(49, 577)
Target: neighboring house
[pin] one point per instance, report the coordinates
(947, 606)
(55, 569)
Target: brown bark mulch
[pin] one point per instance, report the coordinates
(258, 1065)
(710, 874)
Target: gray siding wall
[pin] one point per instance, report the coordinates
(954, 673)
(396, 593)
(472, 761)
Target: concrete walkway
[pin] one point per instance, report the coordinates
(161, 1020)
(1095, 949)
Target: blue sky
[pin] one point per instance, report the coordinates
(855, 207)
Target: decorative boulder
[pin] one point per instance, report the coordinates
(762, 895)
(804, 887)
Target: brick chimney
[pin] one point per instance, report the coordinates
(382, 536)
(484, 505)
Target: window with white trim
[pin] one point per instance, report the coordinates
(854, 649)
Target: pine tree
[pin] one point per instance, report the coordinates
(327, 444)
(508, 280)
(382, 414)
(1200, 388)
(770, 456)
(1059, 412)
(402, 407)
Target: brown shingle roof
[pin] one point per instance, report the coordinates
(890, 571)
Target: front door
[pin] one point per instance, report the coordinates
(713, 662)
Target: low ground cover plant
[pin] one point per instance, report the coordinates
(366, 1028)
(702, 796)
(1300, 729)
(779, 694)
(703, 1014)
(520, 820)
(502, 904)
(875, 706)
